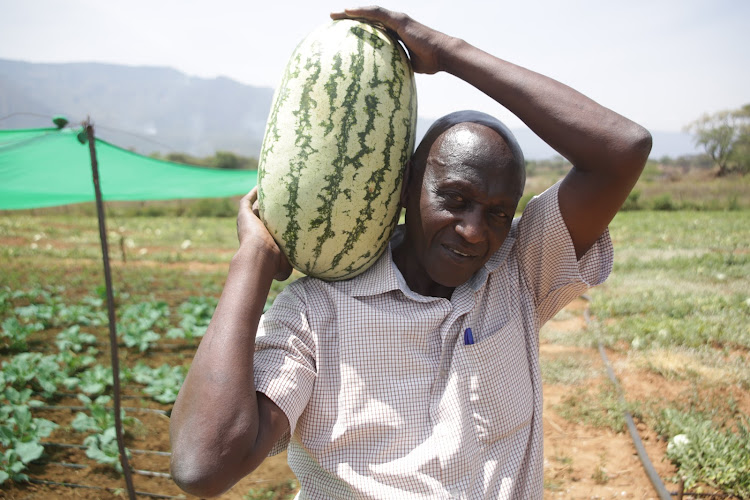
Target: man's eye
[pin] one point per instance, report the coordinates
(455, 197)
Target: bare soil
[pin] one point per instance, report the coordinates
(580, 461)
(590, 462)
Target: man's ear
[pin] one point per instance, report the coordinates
(408, 172)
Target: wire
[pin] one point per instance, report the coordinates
(133, 134)
(98, 126)
(25, 113)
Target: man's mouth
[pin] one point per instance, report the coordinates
(460, 253)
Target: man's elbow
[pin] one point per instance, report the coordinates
(198, 477)
(639, 147)
(642, 143)
(630, 153)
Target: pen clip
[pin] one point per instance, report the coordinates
(468, 337)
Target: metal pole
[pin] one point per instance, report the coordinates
(110, 313)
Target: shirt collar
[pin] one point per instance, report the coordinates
(502, 253)
(379, 278)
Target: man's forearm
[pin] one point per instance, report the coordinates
(586, 133)
(215, 419)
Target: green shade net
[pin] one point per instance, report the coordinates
(50, 167)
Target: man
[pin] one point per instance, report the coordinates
(419, 378)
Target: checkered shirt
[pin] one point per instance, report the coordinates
(384, 398)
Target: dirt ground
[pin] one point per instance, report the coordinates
(580, 461)
(587, 462)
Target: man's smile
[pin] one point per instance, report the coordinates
(459, 251)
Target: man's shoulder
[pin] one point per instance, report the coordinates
(527, 227)
(308, 287)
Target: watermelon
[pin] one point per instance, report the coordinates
(340, 131)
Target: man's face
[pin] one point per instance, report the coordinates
(463, 211)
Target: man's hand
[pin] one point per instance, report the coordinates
(425, 44)
(251, 231)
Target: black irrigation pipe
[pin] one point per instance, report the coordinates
(82, 447)
(100, 488)
(157, 346)
(122, 396)
(653, 476)
(84, 408)
(61, 464)
(648, 467)
(74, 395)
(702, 495)
(68, 465)
(110, 309)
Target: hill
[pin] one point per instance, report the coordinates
(167, 109)
(150, 109)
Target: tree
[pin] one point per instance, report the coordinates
(220, 159)
(229, 160)
(725, 136)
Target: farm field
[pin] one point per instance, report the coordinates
(673, 318)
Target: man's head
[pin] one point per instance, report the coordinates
(461, 193)
(441, 125)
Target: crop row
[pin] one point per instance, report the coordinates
(51, 351)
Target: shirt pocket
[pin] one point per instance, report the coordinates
(497, 379)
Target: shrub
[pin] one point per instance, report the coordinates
(632, 203)
(663, 202)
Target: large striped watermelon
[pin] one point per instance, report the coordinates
(340, 131)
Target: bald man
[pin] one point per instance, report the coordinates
(420, 377)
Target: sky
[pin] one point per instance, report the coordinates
(661, 63)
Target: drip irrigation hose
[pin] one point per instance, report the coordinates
(100, 488)
(75, 395)
(149, 473)
(648, 467)
(158, 346)
(653, 476)
(82, 447)
(84, 408)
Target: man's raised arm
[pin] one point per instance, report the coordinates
(220, 428)
(608, 151)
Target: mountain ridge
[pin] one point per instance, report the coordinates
(160, 109)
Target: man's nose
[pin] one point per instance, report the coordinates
(472, 226)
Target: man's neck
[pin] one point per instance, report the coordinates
(414, 274)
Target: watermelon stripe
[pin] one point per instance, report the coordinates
(335, 178)
(303, 143)
(375, 182)
(396, 88)
(272, 136)
(330, 87)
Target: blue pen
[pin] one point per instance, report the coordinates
(468, 337)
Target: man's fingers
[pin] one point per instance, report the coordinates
(250, 201)
(252, 196)
(374, 15)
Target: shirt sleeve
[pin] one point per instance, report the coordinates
(548, 260)
(284, 363)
